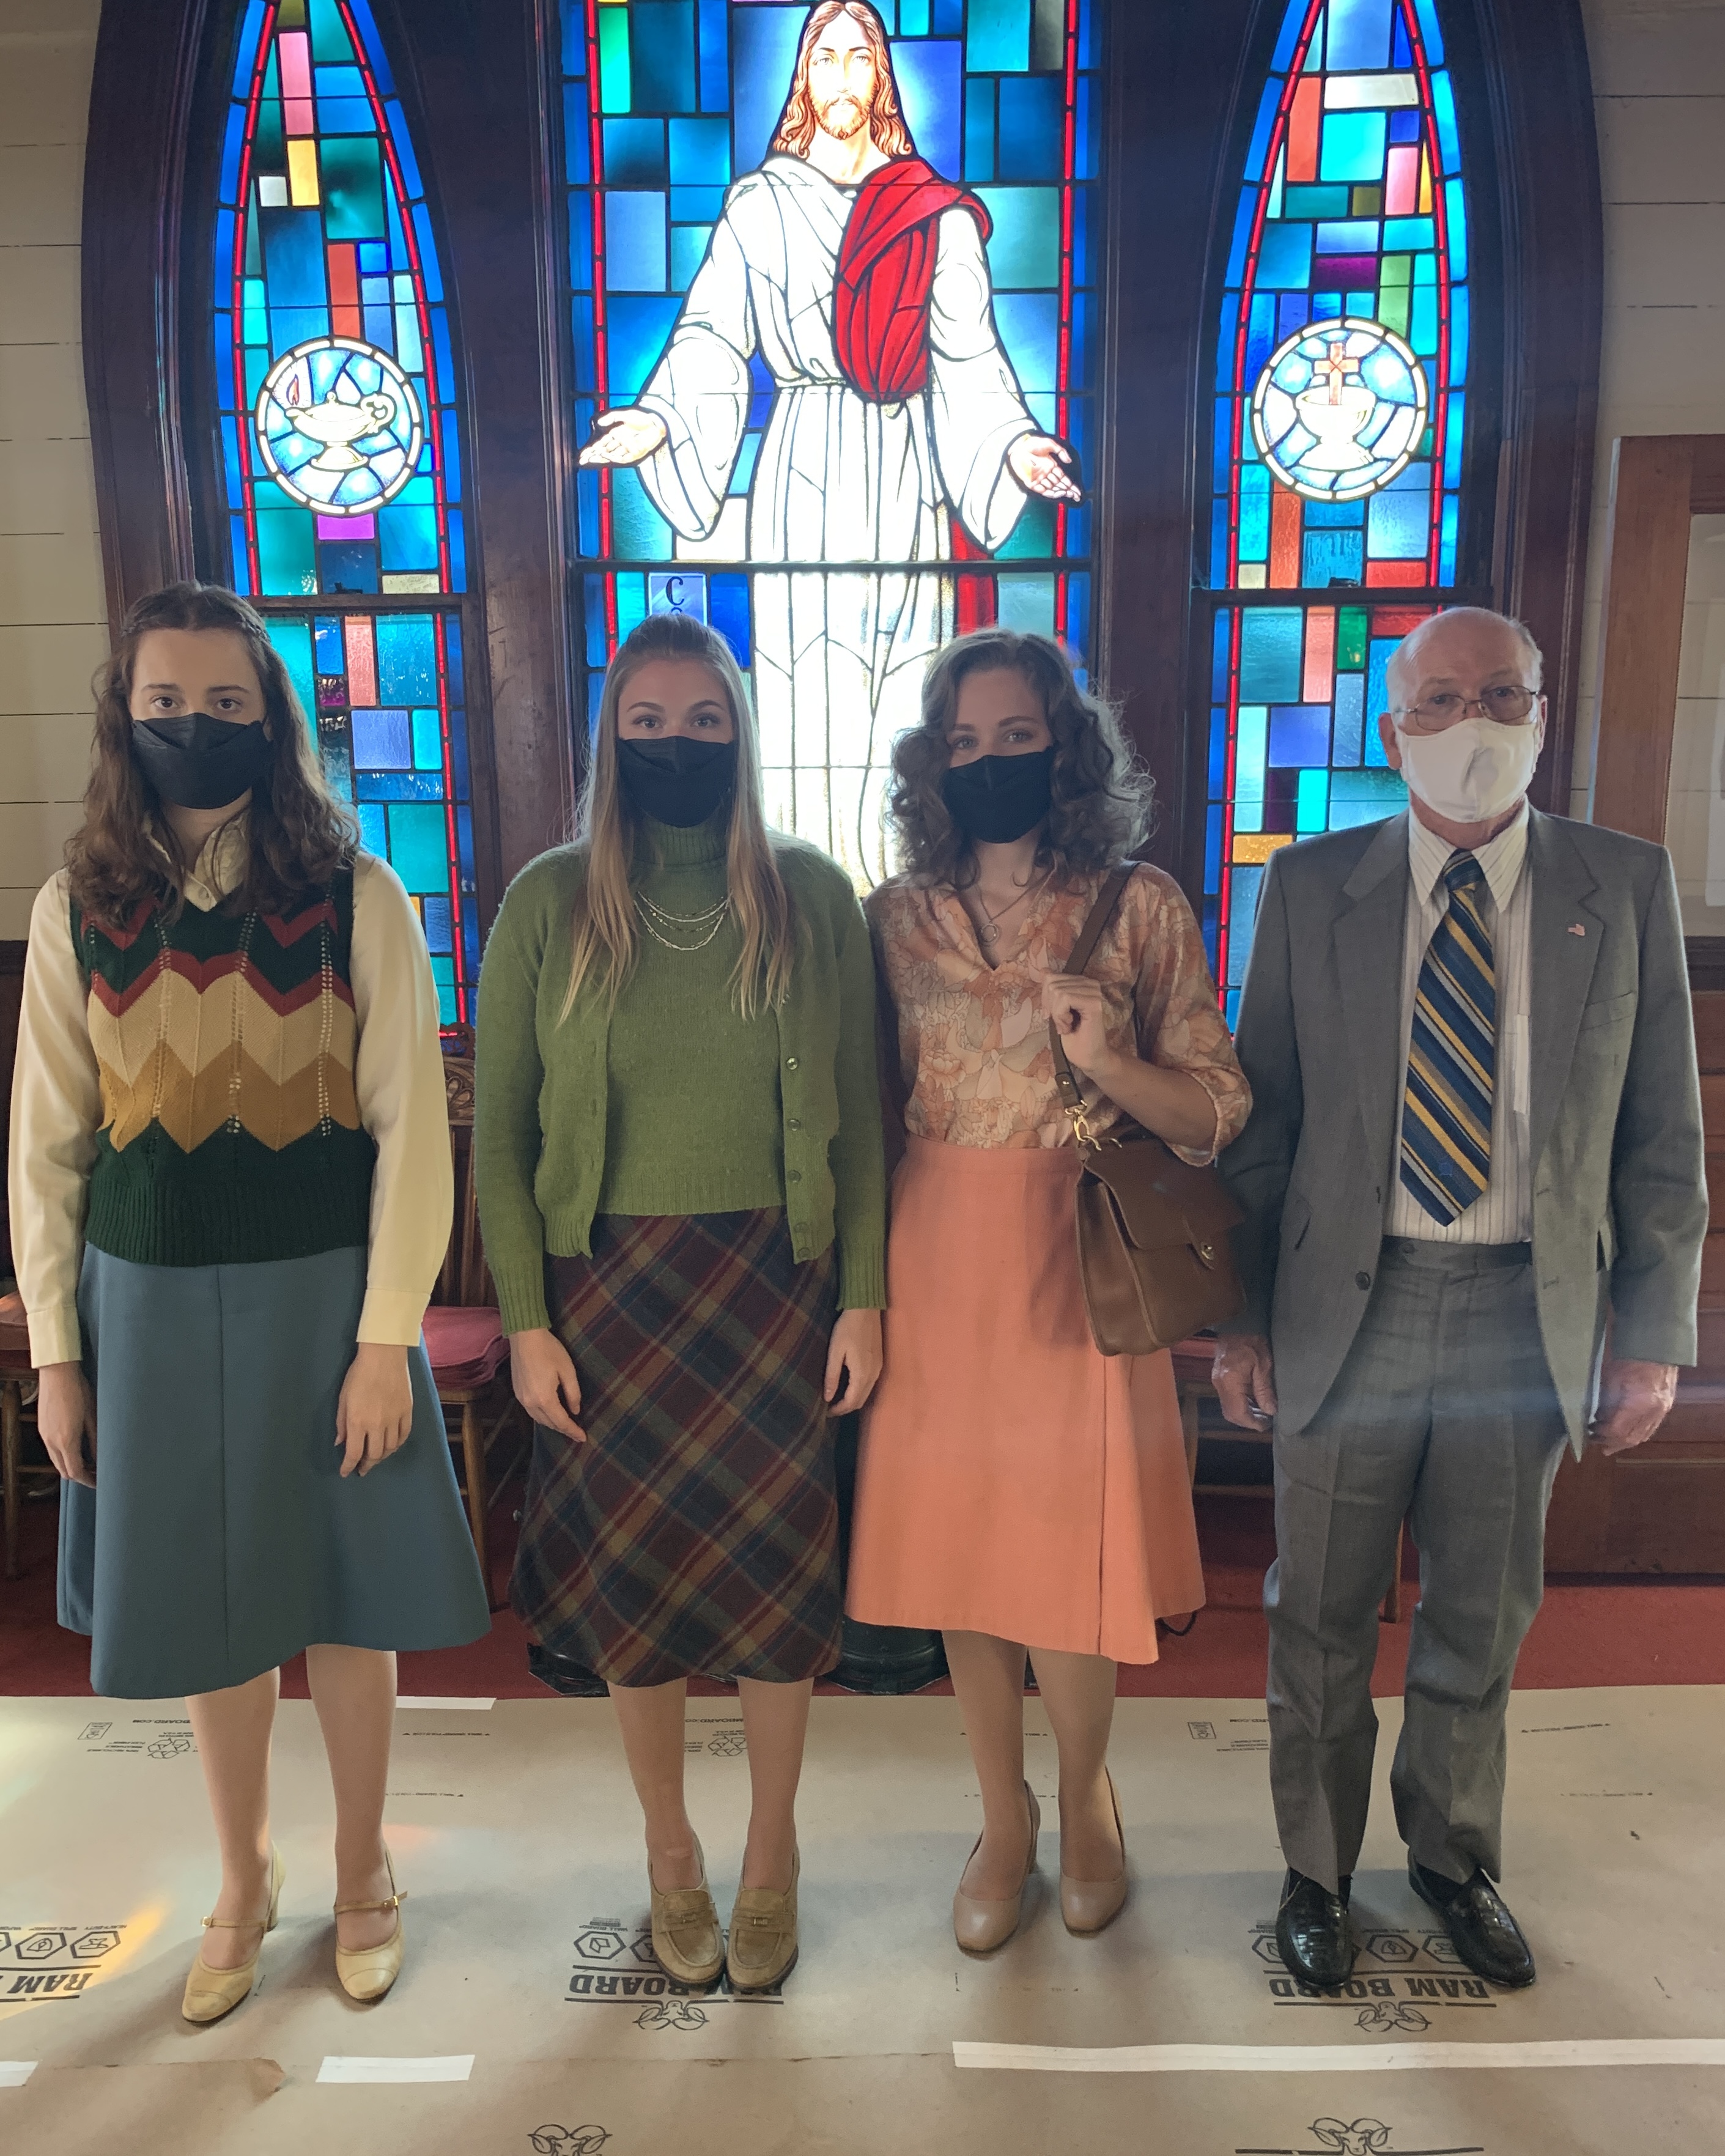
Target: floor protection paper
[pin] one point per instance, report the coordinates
(516, 1835)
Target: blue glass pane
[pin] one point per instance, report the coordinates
(639, 533)
(1454, 441)
(1404, 126)
(1254, 519)
(638, 331)
(1299, 734)
(1246, 885)
(574, 40)
(1026, 248)
(1032, 122)
(287, 561)
(1226, 334)
(1350, 719)
(418, 845)
(1267, 106)
(1359, 33)
(763, 59)
(428, 742)
(1442, 98)
(293, 640)
(714, 56)
(293, 256)
(408, 537)
(1352, 235)
(1219, 645)
(700, 153)
(1447, 536)
(407, 658)
(1285, 258)
(728, 612)
(1260, 334)
(1328, 556)
(1431, 31)
(1365, 797)
(1312, 809)
(1292, 23)
(1029, 328)
(1378, 689)
(1456, 203)
(439, 928)
(662, 55)
(382, 741)
(979, 130)
(1398, 524)
(688, 251)
(374, 830)
(1213, 858)
(1353, 147)
(931, 82)
(998, 36)
(1250, 744)
(1271, 638)
(577, 152)
(635, 153)
(399, 786)
(1218, 784)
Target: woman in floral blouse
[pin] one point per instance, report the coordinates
(1018, 1489)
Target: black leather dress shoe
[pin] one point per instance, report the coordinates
(1482, 1930)
(1312, 1933)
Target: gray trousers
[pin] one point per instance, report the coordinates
(1444, 1412)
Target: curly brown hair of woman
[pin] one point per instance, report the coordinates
(1103, 798)
(125, 850)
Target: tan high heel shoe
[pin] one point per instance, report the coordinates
(211, 1993)
(980, 1927)
(1089, 1905)
(686, 1938)
(366, 1973)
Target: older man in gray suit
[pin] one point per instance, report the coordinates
(1474, 1164)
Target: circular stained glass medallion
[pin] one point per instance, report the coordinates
(1339, 409)
(339, 426)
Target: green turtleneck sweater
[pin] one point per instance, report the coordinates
(672, 1102)
(671, 1146)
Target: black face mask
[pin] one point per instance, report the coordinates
(676, 781)
(998, 799)
(198, 761)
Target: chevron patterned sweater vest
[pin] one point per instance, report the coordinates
(225, 1043)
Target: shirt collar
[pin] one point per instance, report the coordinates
(219, 868)
(1500, 858)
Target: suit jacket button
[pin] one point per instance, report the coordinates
(795, 1175)
(1362, 1279)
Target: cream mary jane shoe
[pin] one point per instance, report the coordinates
(211, 1993)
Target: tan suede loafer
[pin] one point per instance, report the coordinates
(762, 1948)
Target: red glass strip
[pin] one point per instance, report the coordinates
(1285, 521)
(433, 415)
(1398, 575)
(360, 645)
(1318, 683)
(346, 319)
(1305, 130)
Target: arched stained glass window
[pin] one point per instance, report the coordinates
(339, 439)
(837, 397)
(1339, 419)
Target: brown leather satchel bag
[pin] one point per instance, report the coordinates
(1152, 1231)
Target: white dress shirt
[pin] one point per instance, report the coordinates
(1504, 1212)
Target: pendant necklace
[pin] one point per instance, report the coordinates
(991, 934)
(713, 914)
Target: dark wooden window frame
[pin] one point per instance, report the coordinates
(1184, 81)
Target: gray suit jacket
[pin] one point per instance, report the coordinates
(1619, 1199)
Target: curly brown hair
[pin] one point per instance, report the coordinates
(126, 851)
(1102, 796)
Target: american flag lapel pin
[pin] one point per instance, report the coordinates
(1576, 928)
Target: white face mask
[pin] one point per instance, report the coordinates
(1472, 770)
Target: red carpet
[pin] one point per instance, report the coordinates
(1590, 1632)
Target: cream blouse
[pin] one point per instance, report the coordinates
(398, 1081)
(973, 1046)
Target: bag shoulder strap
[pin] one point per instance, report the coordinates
(1095, 928)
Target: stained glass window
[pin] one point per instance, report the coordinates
(839, 390)
(1339, 430)
(339, 439)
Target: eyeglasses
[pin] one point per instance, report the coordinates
(1509, 704)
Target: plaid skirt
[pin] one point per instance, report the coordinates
(695, 1533)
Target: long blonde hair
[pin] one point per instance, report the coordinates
(886, 123)
(602, 921)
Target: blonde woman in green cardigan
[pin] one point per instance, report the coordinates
(677, 1140)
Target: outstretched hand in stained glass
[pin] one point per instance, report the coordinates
(1038, 463)
(623, 437)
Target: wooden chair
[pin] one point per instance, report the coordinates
(464, 1331)
(1192, 1360)
(15, 1412)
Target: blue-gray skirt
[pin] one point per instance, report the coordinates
(220, 1539)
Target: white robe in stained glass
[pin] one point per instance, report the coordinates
(839, 656)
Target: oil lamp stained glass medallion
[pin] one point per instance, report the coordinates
(1339, 471)
(338, 438)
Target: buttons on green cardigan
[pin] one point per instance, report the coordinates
(795, 1123)
(790, 1063)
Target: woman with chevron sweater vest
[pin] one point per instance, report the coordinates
(231, 1194)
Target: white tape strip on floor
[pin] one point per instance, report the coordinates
(450, 1706)
(15, 2072)
(397, 2070)
(1336, 2058)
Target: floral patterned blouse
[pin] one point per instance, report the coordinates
(973, 1045)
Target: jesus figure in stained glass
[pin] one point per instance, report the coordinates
(859, 275)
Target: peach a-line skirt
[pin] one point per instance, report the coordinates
(1012, 1480)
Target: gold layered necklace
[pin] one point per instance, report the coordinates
(713, 919)
(991, 933)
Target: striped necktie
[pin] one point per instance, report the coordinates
(1446, 1110)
